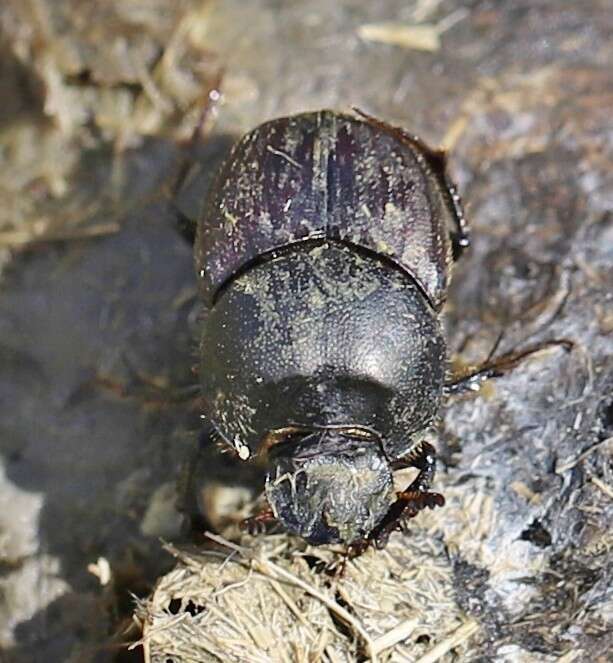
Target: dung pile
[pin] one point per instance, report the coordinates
(264, 600)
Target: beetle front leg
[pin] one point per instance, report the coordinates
(259, 523)
(409, 502)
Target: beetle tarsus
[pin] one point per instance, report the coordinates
(495, 368)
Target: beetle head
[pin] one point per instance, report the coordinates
(328, 486)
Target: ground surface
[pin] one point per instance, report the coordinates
(96, 333)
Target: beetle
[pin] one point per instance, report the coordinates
(324, 256)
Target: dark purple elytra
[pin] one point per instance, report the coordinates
(327, 175)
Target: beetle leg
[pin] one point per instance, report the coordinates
(495, 368)
(408, 502)
(143, 389)
(259, 523)
(185, 225)
(460, 239)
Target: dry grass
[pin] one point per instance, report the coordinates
(261, 601)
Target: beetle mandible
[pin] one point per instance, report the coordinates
(324, 256)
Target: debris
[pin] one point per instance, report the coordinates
(102, 570)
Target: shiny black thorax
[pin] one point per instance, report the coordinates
(323, 336)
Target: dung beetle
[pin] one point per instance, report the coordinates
(324, 256)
